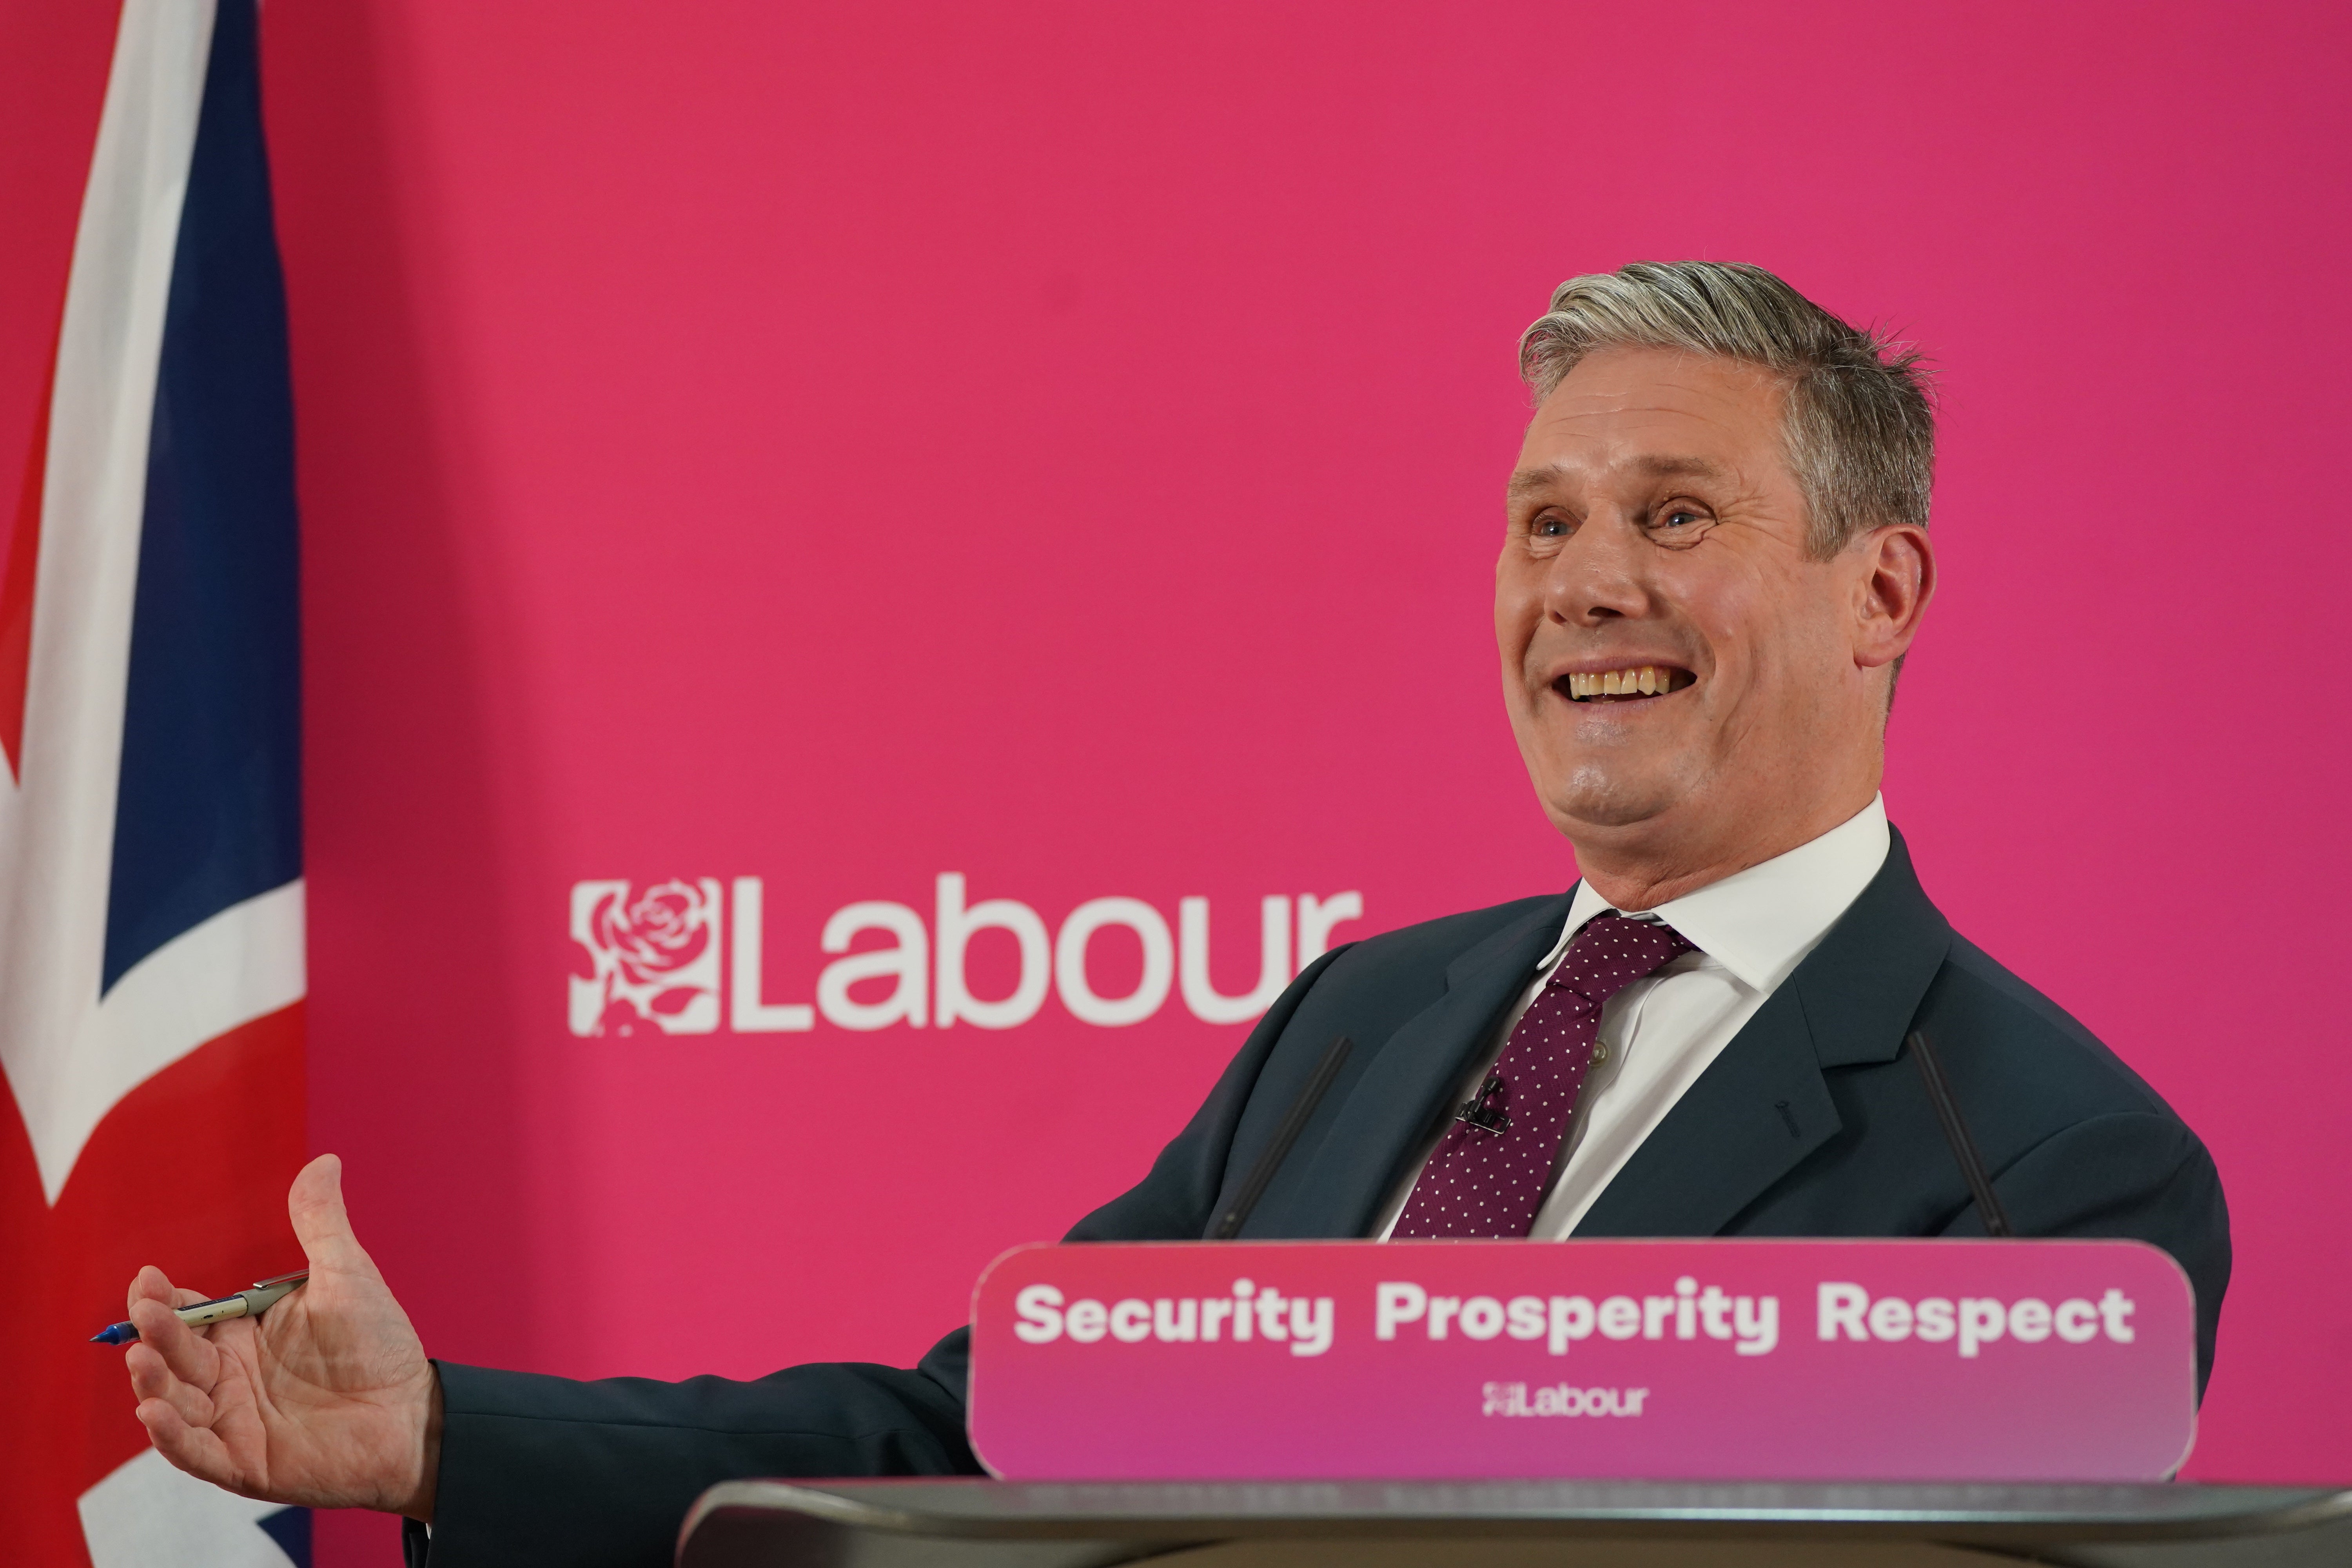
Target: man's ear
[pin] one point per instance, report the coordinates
(1891, 594)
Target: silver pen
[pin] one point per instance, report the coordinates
(249, 1303)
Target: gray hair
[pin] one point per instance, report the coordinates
(1860, 429)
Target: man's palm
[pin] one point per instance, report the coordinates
(326, 1400)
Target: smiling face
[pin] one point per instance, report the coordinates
(1692, 691)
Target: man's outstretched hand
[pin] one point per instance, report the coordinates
(326, 1400)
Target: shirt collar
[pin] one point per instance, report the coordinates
(1761, 923)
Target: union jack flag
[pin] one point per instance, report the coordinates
(151, 844)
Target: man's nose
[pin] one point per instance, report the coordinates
(1600, 574)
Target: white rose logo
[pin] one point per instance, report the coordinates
(653, 958)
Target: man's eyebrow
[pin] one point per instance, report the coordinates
(1680, 467)
(1527, 481)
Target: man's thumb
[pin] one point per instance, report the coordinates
(315, 1204)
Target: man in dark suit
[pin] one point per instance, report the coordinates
(1716, 557)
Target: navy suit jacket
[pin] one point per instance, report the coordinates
(1809, 1122)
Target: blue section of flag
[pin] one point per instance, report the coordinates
(210, 809)
(291, 1528)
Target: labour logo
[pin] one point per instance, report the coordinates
(655, 956)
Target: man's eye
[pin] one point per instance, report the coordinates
(1680, 517)
(1550, 526)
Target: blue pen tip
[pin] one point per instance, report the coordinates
(114, 1334)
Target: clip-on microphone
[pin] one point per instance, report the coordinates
(1484, 1109)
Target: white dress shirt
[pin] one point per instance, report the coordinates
(1749, 932)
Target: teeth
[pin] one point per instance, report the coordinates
(1645, 680)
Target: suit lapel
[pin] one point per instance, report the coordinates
(1762, 1106)
(1758, 1109)
(1410, 1082)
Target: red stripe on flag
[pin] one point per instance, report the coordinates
(16, 584)
(189, 1172)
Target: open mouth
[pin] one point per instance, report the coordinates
(1635, 684)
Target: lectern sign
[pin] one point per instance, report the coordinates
(1688, 1359)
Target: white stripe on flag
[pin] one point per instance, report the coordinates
(245, 963)
(57, 838)
(148, 1515)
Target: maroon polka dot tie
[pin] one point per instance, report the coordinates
(1487, 1174)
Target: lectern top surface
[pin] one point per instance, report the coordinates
(997, 1511)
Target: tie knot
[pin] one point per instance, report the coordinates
(1613, 951)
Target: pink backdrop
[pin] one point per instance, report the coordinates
(1062, 444)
